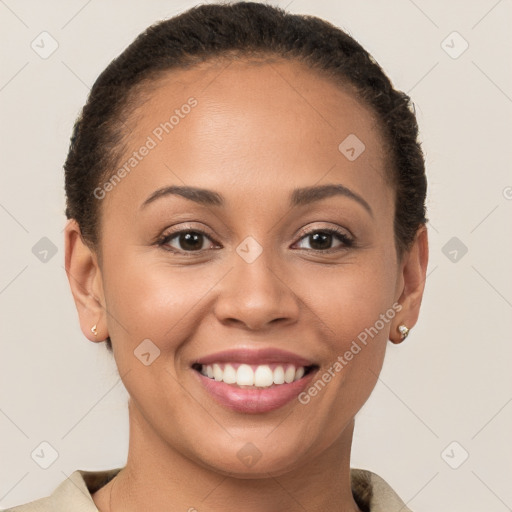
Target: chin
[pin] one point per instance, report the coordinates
(253, 460)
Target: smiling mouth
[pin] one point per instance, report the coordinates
(254, 376)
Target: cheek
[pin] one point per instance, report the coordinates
(350, 298)
(153, 300)
(153, 310)
(353, 310)
(149, 298)
(355, 306)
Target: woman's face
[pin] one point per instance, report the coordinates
(266, 275)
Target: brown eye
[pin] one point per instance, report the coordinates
(321, 239)
(187, 240)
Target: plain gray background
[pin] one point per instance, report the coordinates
(444, 394)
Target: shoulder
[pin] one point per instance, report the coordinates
(373, 493)
(73, 493)
(40, 505)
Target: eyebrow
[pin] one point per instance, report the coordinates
(298, 197)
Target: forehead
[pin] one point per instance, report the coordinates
(251, 123)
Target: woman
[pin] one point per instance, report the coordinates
(246, 205)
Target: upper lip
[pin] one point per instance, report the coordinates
(255, 356)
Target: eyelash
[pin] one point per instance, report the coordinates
(339, 234)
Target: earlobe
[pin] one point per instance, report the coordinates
(413, 271)
(85, 281)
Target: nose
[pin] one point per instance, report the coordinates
(256, 295)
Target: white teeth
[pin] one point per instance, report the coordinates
(289, 374)
(217, 372)
(245, 375)
(261, 377)
(299, 373)
(279, 375)
(229, 375)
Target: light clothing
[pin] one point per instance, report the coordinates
(370, 491)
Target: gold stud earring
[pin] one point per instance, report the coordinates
(94, 330)
(404, 331)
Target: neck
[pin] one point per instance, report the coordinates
(158, 477)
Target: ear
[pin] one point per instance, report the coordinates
(413, 272)
(85, 280)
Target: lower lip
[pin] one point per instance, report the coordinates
(254, 401)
